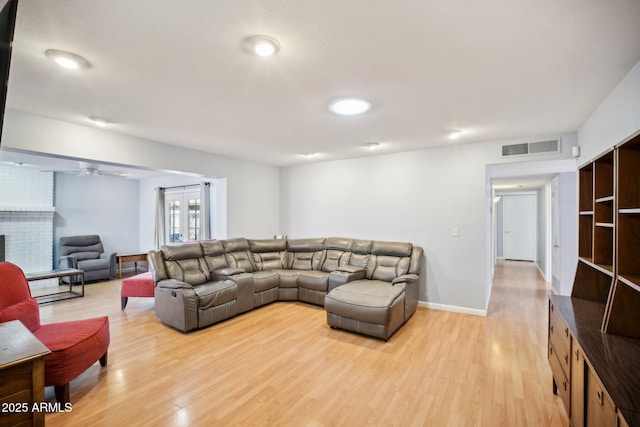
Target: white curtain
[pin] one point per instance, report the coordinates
(160, 237)
(205, 210)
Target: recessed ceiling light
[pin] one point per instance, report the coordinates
(67, 60)
(349, 106)
(308, 155)
(455, 134)
(372, 145)
(261, 45)
(99, 121)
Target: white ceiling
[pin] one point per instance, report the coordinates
(176, 72)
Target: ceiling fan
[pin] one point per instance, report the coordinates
(86, 168)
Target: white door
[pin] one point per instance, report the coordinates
(182, 216)
(555, 233)
(519, 216)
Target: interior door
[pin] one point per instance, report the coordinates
(519, 227)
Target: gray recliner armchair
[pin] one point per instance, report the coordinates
(84, 253)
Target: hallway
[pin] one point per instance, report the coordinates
(517, 336)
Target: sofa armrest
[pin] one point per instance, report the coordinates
(113, 265)
(176, 304)
(228, 271)
(410, 284)
(173, 284)
(67, 261)
(350, 269)
(158, 268)
(337, 278)
(404, 278)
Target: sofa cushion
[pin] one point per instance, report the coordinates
(80, 256)
(268, 254)
(94, 264)
(26, 311)
(238, 255)
(264, 280)
(268, 245)
(387, 268)
(363, 300)
(388, 260)
(183, 251)
(81, 247)
(185, 263)
(235, 245)
(75, 345)
(214, 255)
(213, 294)
(334, 258)
(400, 249)
(315, 280)
(337, 251)
(304, 254)
(360, 253)
(288, 278)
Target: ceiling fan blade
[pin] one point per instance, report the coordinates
(115, 174)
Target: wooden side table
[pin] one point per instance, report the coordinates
(21, 375)
(135, 258)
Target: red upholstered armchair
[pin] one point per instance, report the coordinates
(74, 345)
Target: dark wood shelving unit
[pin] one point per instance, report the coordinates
(596, 230)
(623, 316)
(602, 315)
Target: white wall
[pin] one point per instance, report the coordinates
(101, 205)
(542, 227)
(252, 189)
(567, 198)
(417, 197)
(617, 118)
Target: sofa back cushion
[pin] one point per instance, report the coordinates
(304, 254)
(268, 254)
(238, 255)
(186, 263)
(81, 247)
(388, 260)
(337, 252)
(214, 255)
(360, 252)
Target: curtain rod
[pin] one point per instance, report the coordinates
(183, 186)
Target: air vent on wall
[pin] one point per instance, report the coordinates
(551, 146)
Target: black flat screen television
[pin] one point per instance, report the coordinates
(7, 25)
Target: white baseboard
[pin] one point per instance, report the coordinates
(544, 277)
(453, 308)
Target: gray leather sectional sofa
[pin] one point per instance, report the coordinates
(366, 286)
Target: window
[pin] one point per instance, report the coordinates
(182, 209)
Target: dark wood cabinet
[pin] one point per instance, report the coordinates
(21, 375)
(601, 411)
(602, 315)
(578, 382)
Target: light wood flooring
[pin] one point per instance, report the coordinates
(281, 365)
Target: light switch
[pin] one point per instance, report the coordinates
(455, 232)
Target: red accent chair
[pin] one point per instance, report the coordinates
(74, 345)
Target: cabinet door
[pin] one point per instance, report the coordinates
(577, 387)
(600, 409)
